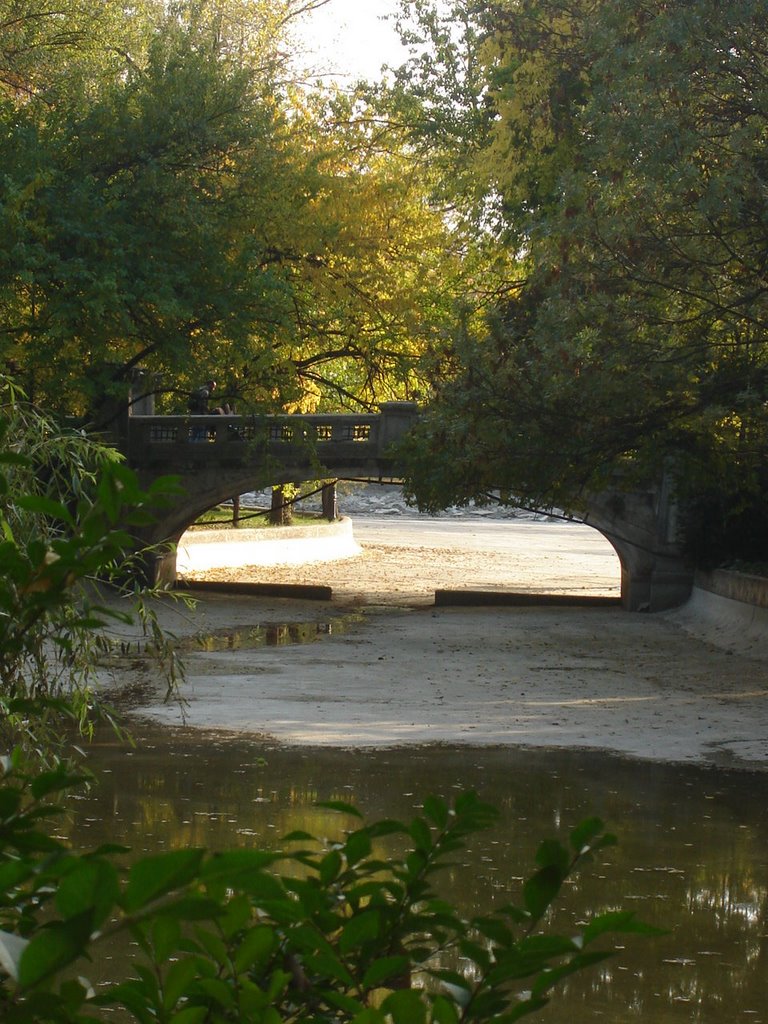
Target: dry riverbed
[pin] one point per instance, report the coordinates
(380, 666)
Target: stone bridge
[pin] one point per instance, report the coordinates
(217, 458)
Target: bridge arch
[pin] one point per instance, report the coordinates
(219, 457)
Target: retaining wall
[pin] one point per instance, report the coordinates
(738, 586)
(729, 610)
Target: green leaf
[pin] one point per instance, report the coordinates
(328, 964)
(54, 781)
(421, 835)
(494, 930)
(540, 890)
(437, 811)
(236, 916)
(235, 864)
(623, 921)
(476, 814)
(444, 1011)
(587, 830)
(45, 507)
(550, 977)
(552, 854)
(330, 866)
(369, 1016)
(54, 947)
(384, 968)
(359, 929)
(178, 980)
(298, 836)
(214, 946)
(152, 877)
(190, 1015)
(10, 801)
(217, 991)
(8, 458)
(255, 949)
(166, 936)
(342, 1001)
(405, 1007)
(91, 886)
(357, 847)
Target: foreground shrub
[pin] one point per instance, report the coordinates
(311, 932)
(69, 571)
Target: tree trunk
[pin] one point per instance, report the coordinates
(330, 507)
(280, 511)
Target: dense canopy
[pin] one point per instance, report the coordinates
(550, 225)
(619, 151)
(174, 196)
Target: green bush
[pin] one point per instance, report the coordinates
(69, 569)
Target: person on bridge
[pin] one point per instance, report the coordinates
(200, 397)
(198, 406)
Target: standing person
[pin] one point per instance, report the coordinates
(198, 406)
(200, 397)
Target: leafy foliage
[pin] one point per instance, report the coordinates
(624, 162)
(67, 506)
(338, 933)
(171, 198)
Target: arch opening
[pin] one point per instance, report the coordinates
(509, 552)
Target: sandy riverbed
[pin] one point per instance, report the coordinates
(385, 668)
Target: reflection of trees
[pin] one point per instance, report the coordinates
(272, 634)
(691, 856)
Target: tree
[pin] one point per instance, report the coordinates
(122, 216)
(179, 203)
(626, 155)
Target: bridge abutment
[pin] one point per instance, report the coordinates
(642, 525)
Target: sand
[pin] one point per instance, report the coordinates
(384, 667)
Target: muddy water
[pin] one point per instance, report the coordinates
(693, 853)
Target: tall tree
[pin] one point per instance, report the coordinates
(180, 203)
(627, 159)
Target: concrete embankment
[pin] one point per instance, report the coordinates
(200, 550)
(729, 610)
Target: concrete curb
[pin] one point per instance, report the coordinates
(512, 599)
(296, 591)
(199, 550)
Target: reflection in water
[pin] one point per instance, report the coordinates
(692, 858)
(272, 634)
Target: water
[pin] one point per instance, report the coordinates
(693, 853)
(271, 634)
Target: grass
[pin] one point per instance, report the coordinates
(251, 517)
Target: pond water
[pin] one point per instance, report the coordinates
(692, 854)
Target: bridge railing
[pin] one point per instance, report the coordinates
(153, 439)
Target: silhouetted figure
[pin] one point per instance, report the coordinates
(200, 398)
